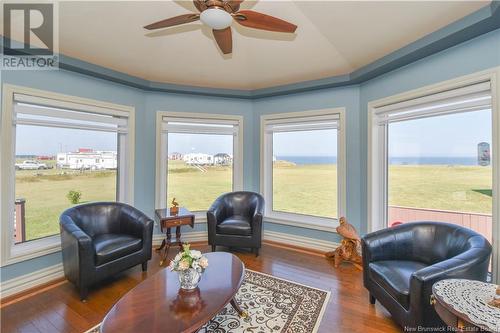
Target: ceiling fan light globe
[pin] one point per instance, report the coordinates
(216, 18)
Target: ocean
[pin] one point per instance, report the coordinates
(303, 160)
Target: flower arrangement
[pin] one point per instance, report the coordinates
(187, 259)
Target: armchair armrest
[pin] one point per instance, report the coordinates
(472, 264)
(215, 215)
(77, 249)
(134, 222)
(379, 245)
(216, 212)
(258, 213)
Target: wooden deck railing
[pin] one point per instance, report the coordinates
(20, 222)
(481, 223)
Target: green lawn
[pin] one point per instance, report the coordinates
(307, 189)
(194, 189)
(455, 188)
(45, 193)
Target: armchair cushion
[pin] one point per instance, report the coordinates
(109, 247)
(394, 276)
(235, 225)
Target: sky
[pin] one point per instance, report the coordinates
(200, 143)
(445, 136)
(454, 135)
(48, 141)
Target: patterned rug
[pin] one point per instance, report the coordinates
(274, 305)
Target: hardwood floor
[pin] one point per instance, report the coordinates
(58, 309)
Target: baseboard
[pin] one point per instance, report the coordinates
(188, 237)
(294, 241)
(31, 280)
(49, 274)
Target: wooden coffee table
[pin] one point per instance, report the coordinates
(159, 305)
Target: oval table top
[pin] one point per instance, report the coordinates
(159, 305)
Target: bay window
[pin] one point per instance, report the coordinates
(302, 174)
(57, 152)
(199, 158)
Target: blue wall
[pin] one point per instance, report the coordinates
(478, 54)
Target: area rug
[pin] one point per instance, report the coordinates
(274, 305)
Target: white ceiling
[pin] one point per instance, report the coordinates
(333, 38)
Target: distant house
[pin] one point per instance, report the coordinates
(198, 159)
(223, 159)
(175, 156)
(87, 159)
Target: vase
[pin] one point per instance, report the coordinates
(189, 278)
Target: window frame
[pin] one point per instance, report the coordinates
(162, 148)
(266, 172)
(377, 181)
(14, 253)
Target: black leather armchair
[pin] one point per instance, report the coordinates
(235, 220)
(402, 263)
(101, 239)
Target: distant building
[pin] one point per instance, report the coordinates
(483, 154)
(198, 158)
(175, 156)
(45, 158)
(87, 159)
(223, 159)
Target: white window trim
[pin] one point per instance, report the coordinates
(376, 192)
(162, 161)
(302, 220)
(11, 253)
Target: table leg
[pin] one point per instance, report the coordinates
(167, 246)
(178, 237)
(239, 310)
(163, 243)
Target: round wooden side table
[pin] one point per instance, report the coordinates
(463, 305)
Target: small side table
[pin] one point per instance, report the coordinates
(168, 221)
(463, 305)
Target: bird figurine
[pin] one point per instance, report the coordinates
(350, 248)
(174, 209)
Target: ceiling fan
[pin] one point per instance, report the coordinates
(219, 14)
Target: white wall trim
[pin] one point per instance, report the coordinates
(188, 237)
(305, 221)
(161, 147)
(31, 280)
(375, 190)
(300, 241)
(9, 253)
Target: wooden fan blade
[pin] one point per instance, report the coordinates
(224, 39)
(256, 20)
(234, 4)
(181, 19)
(200, 5)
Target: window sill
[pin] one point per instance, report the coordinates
(33, 249)
(303, 221)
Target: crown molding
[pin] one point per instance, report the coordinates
(473, 25)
